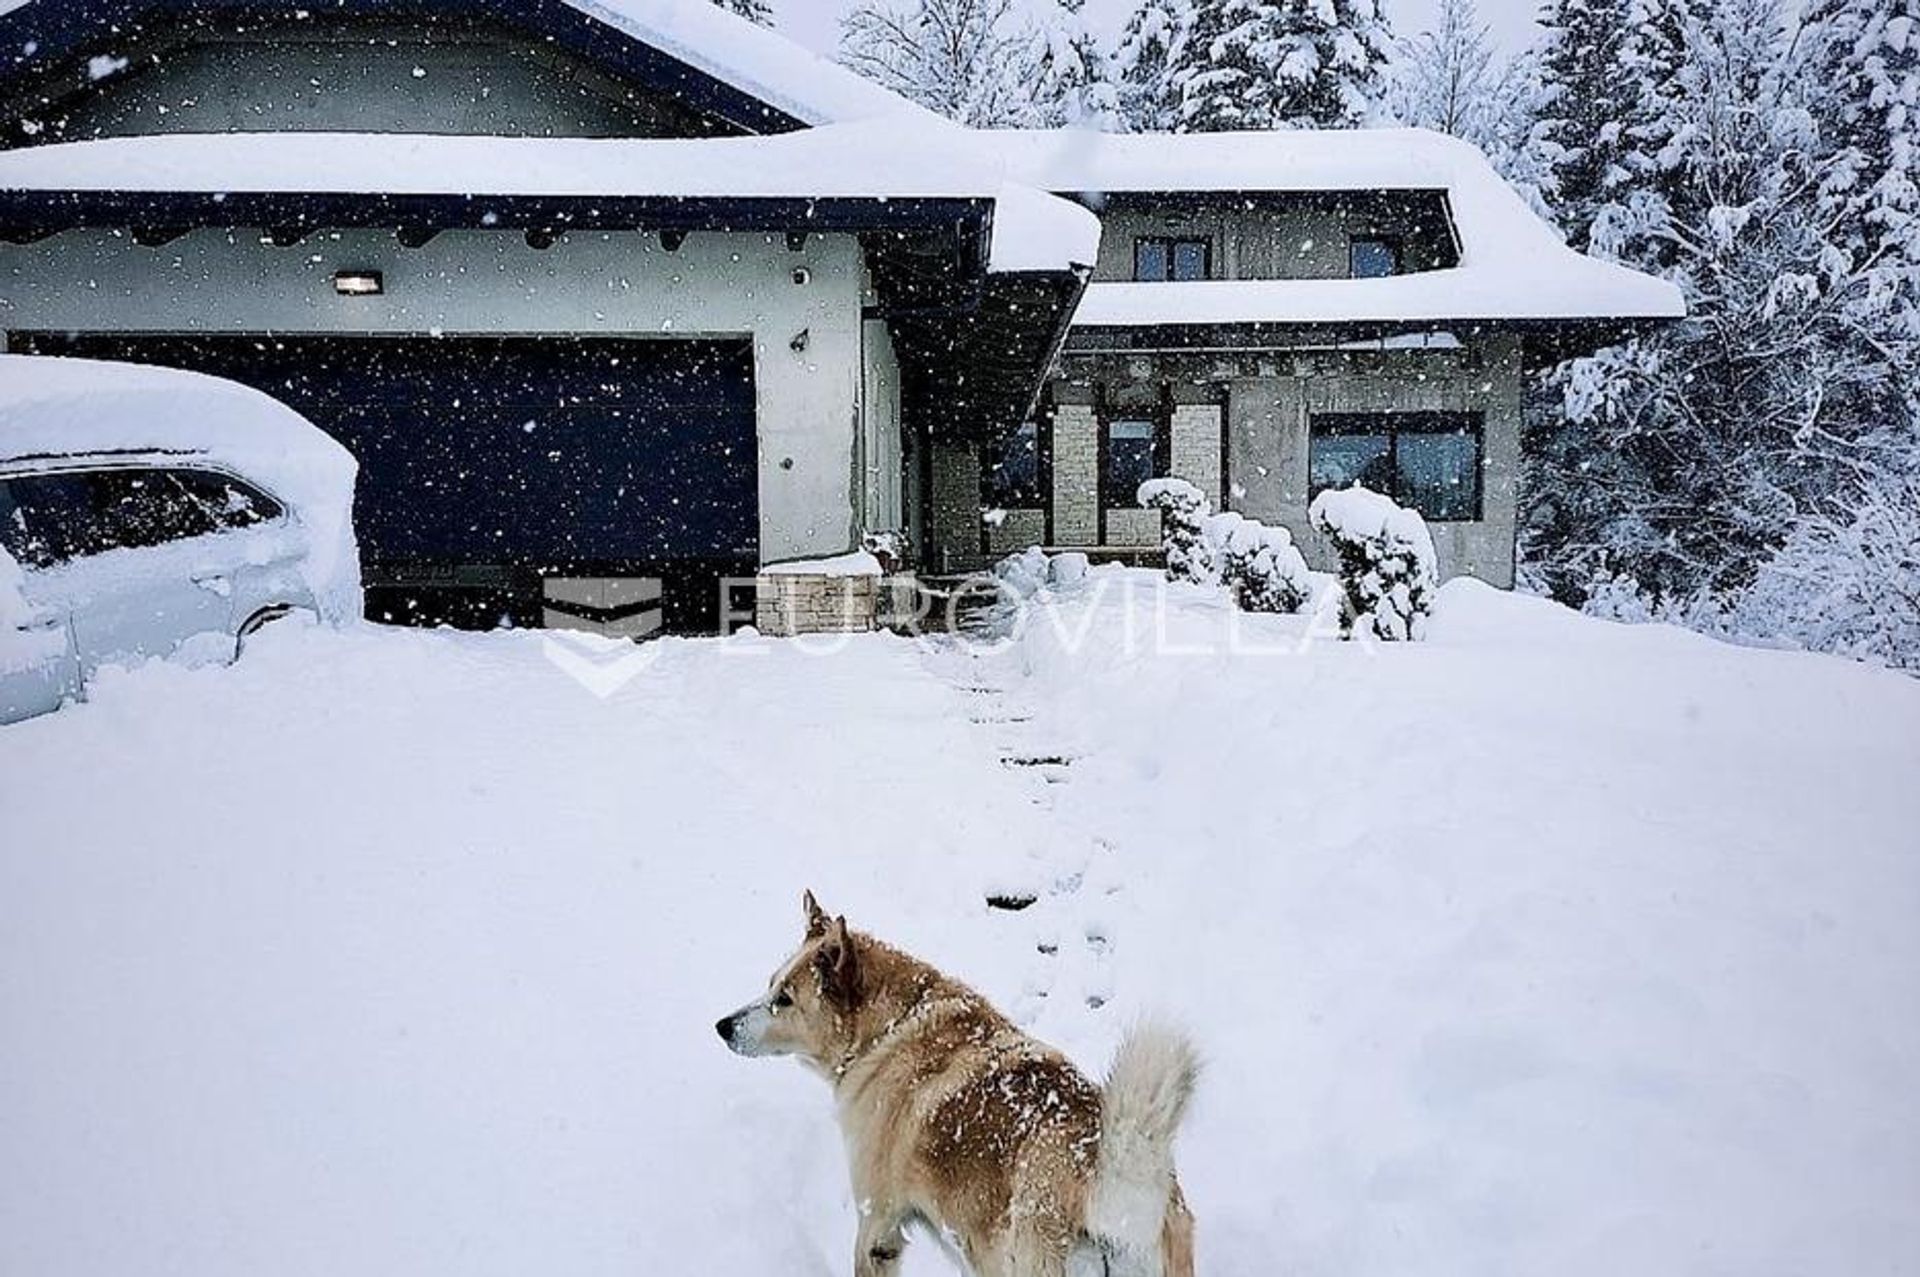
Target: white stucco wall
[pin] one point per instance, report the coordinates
(812, 501)
(881, 477)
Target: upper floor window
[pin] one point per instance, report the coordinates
(1371, 257)
(1013, 477)
(1426, 461)
(1159, 258)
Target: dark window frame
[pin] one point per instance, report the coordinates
(991, 494)
(1392, 243)
(1393, 424)
(1105, 413)
(1169, 244)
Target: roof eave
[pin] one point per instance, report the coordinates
(1546, 340)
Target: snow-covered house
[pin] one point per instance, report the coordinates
(1274, 314)
(617, 300)
(614, 299)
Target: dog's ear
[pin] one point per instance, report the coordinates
(838, 965)
(816, 916)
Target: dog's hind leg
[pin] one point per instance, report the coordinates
(1176, 1238)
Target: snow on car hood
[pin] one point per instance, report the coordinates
(51, 407)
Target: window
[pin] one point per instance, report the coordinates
(1013, 474)
(1129, 459)
(226, 500)
(1369, 257)
(1157, 259)
(140, 508)
(1427, 461)
(51, 518)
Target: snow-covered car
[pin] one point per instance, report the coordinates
(148, 512)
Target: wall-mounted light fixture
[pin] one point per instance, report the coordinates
(359, 283)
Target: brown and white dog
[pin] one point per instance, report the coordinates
(956, 1120)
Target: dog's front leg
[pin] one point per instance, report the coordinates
(882, 1237)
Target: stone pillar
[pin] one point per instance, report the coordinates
(1076, 475)
(1196, 449)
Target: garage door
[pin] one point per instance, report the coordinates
(610, 482)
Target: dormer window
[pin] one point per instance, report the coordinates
(1159, 259)
(1372, 257)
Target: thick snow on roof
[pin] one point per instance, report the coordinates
(752, 59)
(1569, 288)
(1512, 265)
(880, 160)
(67, 407)
(747, 56)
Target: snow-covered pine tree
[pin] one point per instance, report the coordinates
(1271, 64)
(1074, 83)
(970, 60)
(1149, 101)
(1687, 457)
(1869, 57)
(1451, 79)
(1848, 577)
(760, 11)
(1588, 101)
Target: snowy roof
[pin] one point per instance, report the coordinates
(1512, 267)
(752, 58)
(877, 162)
(758, 62)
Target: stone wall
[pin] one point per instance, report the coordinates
(791, 603)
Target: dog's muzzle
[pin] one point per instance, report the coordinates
(745, 1031)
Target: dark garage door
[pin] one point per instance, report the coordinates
(490, 465)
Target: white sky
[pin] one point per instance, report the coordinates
(816, 23)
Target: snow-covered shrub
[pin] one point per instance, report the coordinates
(1388, 570)
(1183, 514)
(1260, 564)
(1024, 574)
(1848, 584)
(1068, 569)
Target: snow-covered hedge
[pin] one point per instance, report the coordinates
(1260, 564)
(1388, 571)
(1183, 515)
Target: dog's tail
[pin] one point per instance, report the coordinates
(1134, 1210)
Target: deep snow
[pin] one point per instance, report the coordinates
(1544, 946)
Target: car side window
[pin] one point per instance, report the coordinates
(229, 502)
(53, 519)
(140, 508)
